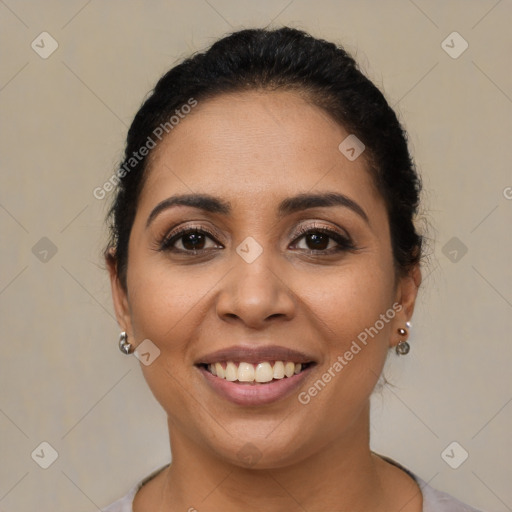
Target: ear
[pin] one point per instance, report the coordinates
(119, 294)
(406, 293)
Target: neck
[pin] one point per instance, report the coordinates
(343, 475)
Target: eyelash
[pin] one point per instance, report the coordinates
(344, 242)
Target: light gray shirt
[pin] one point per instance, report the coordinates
(433, 500)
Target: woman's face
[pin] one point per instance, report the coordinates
(255, 280)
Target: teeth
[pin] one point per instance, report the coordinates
(231, 372)
(279, 370)
(245, 372)
(262, 372)
(289, 369)
(219, 371)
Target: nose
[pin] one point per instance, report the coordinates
(256, 293)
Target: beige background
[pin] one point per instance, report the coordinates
(63, 123)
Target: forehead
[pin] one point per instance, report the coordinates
(255, 146)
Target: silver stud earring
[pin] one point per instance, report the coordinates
(403, 347)
(124, 346)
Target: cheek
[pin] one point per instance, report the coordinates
(166, 302)
(166, 309)
(353, 311)
(169, 305)
(351, 299)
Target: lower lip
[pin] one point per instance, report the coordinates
(255, 394)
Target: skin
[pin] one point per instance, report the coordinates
(255, 149)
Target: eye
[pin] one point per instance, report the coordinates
(320, 239)
(191, 240)
(194, 240)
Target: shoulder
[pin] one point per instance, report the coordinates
(438, 501)
(125, 503)
(434, 500)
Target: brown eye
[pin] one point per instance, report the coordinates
(192, 240)
(317, 241)
(322, 240)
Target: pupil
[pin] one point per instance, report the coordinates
(193, 240)
(319, 240)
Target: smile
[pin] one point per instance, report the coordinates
(245, 387)
(260, 373)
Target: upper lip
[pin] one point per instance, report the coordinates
(240, 353)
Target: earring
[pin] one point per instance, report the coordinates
(124, 346)
(403, 347)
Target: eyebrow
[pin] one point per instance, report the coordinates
(288, 206)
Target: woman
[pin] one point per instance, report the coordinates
(263, 261)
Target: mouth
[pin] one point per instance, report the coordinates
(263, 372)
(249, 375)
